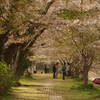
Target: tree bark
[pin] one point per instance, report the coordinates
(16, 67)
(85, 77)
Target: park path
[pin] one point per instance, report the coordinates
(44, 90)
(43, 87)
(51, 94)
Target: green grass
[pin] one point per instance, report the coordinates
(76, 14)
(75, 90)
(71, 89)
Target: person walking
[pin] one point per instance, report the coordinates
(64, 71)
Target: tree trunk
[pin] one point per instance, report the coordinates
(15, 62)
(16, 67)
(85, 77)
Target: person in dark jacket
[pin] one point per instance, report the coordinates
(54, 71)
(64, 71)
(57, 67)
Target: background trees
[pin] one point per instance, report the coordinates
(20, 26)
(55, 30)
(85, 50)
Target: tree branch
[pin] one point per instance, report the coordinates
(48, 6)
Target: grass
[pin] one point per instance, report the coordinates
(75, 90)
(76, 14)
(33, 88)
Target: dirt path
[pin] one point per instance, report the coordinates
(44, 90)
(50, 92)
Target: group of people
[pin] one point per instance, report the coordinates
(63, 69)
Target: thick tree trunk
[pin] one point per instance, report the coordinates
(15, 65)
(85, 77)
(17, 76)
(88, 58)
(15, 62)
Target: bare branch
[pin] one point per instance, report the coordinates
(48, 6)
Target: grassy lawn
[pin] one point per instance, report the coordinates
(34, 88)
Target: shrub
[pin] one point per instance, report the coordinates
(6, 79)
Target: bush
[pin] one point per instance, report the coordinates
(6, 79)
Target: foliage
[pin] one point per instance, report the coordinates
(74, 14)
(80, 41)
(25, 63)
(70, 14)
(6, 78)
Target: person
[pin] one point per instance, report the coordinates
(45, 68)
(68, 69)
(64, 71)
(34, 69)
(54, 71)
(56, 74)
(28, 72)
